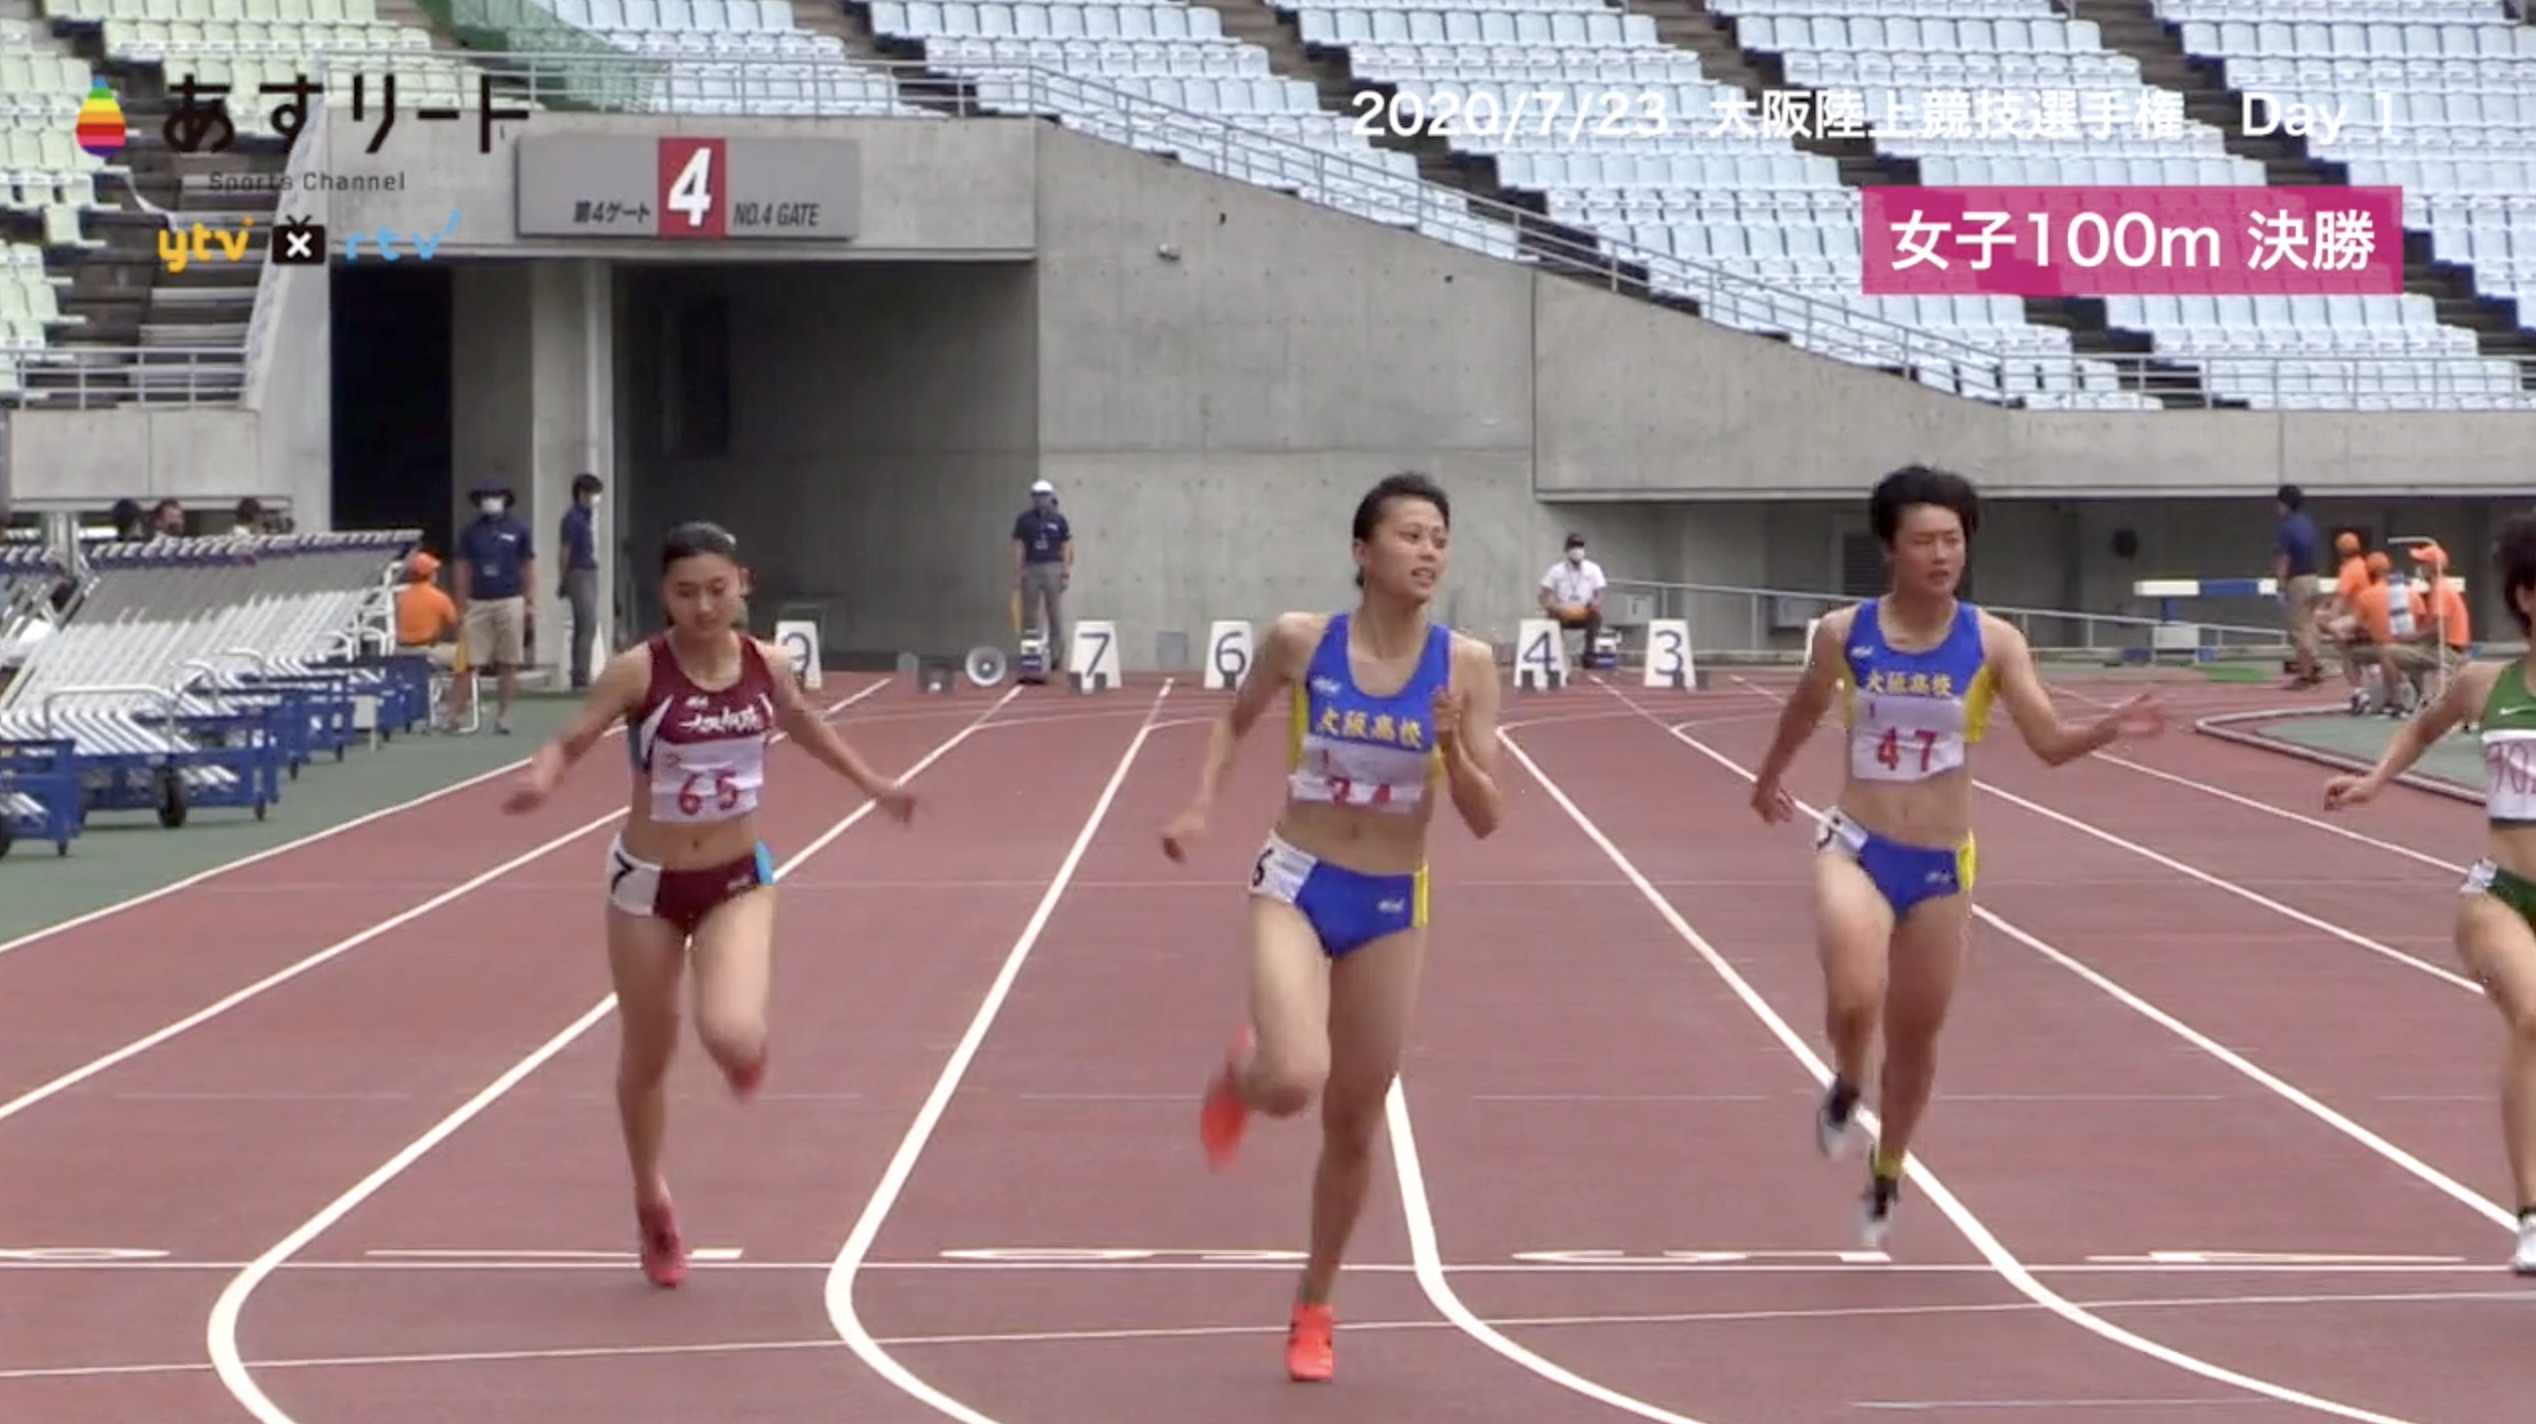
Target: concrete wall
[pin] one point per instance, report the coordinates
(291, 389)
(88, 459)
(290, 372)
(1636, 402)
(534, 402)
(1211, 414)
(884, 428)
(906, 206)
(1225, 370)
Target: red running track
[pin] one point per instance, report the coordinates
(972, 1186)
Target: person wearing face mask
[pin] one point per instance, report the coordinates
(1043, 565)
(580, 590)
(495, 568)
(1572, 591)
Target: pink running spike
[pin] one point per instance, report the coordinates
(664, 1251)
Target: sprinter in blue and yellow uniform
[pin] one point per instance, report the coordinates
(1917, 673)
(1389, 709)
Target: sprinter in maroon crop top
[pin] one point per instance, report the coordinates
(689, 875)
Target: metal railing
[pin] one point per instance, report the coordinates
(1771, 621)
(92, 377)
(571, 75)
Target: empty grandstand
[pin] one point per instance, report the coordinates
(1512, 232)
(1689, 159)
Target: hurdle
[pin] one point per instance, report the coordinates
(2172, 634)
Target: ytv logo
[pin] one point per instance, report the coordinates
(295, 243)
(180, 248)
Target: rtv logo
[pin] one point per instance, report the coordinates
(304, 244)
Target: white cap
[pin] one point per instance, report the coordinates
(1042, 487)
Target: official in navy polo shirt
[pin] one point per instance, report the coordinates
(579, 538)
(495, 568)
(2297, 559)
(1043, 564)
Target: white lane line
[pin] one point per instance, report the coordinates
(337, 950)
(839, 1291)
(2280, 1087)
(221, 1329)
(1970, 1226)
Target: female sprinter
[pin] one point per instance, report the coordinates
(1385, 703)
(1893, 871)
(2497, 904)
(688, 874)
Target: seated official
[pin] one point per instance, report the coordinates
(1572, 591)
(426, 616)
(2386, 652)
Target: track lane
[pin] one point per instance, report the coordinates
(1657, 1055)
(2374, 1023)
(862, 1023)
(71, 994)
(2016, 1024)
(1148, 958)
(391, 1037)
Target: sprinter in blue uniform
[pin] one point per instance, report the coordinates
(1917, 673)
(1389, 709)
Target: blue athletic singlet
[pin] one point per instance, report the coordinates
(1911, 715)
(1367, 753)
(1350, 748)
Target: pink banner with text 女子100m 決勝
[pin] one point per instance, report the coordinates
(2132, 242)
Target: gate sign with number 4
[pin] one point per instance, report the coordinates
(1227, 656)
(691, 187)
(1669, 653)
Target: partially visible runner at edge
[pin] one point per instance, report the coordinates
(1387, 707)
(2496, 906)
(1917, 673)
(688, 876)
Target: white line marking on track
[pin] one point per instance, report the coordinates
(2042, 1404)
(1188, 1332)
(1426, 1253)
(1969, 1226)
(2194, 872)
(2411, 961)
(839, 1292)
(221, 1330)
(337, 950)
(1617, 1264)
(2282, 813)
(718, 1255)
(2287, 1091)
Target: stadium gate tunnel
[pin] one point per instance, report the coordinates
(867, 429)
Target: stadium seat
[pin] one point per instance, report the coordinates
(725, 57)
(1920, 65)
(2441, 101)
(246, 43)
(44, 176)
(1162, 76)
(1626, 138)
